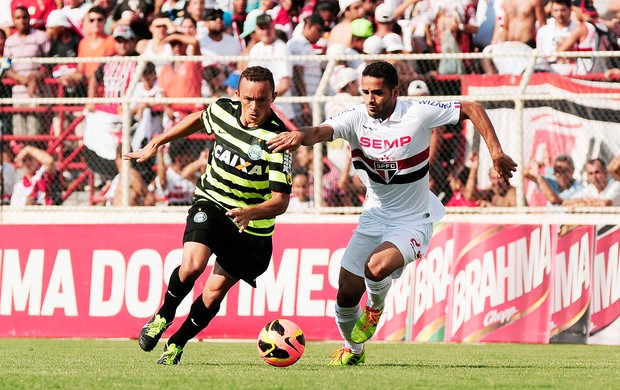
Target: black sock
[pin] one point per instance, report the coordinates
(198, 319)
(177, 290)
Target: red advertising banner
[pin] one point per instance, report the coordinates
(107, 280)
(501, 281)
(572, 285)
(605, 303)
(488, 283)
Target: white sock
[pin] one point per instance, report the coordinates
(354, 347)
(346, 317)
(377, 291)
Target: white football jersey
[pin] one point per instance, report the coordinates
(391, 157)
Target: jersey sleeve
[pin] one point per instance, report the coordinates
(280, 172)
(205, 117)
(344, 123)
(435, 113)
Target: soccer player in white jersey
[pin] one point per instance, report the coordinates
(390, 141)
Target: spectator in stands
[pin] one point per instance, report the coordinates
(361, 29)
(520, 20)
(64, 42)
(232, 84)
(139, 195)
(346, 82)
(135, 14)
(7, 173)
(75, 11)
(558, 29)
(515, 33)
(172, 9)
(180, 79)
(196, 10)
(300, 192)
(6, 18)
(306, 74)
(213, 82)
(96, 43)
(6, 122)
(373, 45)
(103, 121)
(39, 184)
(349, 11)
(175, 183)
(583, 36)
(614, 164)
(272, 47)
(38, 11)
(148, 121)
(188, 26)
(28, 76)
(281, 18)
(156, 48)
(405, 68)
(458, 180)
(498, 194)
(559, 187)
(600, 191)
(385, 20)
(217, 42)
(248, 36)
(239, 14)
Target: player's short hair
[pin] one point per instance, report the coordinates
(382, 70)
(257, 74)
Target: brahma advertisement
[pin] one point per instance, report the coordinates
(487, 283)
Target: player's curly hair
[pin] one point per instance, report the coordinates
(382, 70)
(258, 73)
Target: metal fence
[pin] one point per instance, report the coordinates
(581, 114)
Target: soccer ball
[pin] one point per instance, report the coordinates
(281, 343)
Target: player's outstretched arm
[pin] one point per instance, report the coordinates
(503, 164)
(291, 140)
(188, 125)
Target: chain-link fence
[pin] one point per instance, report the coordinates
(66, 133)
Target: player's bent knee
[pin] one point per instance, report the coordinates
(376, 270)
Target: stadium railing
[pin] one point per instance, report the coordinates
(508, 98)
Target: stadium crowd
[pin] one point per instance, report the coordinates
(264, 29)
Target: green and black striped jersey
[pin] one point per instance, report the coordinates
(242, 171)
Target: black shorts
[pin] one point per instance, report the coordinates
(243, 255)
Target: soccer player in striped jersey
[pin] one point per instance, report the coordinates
(245, 186)
(390, 142)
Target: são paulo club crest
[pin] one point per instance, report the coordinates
(386, 169)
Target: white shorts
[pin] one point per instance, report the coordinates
(411, 240)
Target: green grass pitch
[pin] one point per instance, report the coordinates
(120, 364)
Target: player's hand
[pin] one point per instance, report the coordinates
(505, 166)
(143, 154)
(241, 218)
(290, 140)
